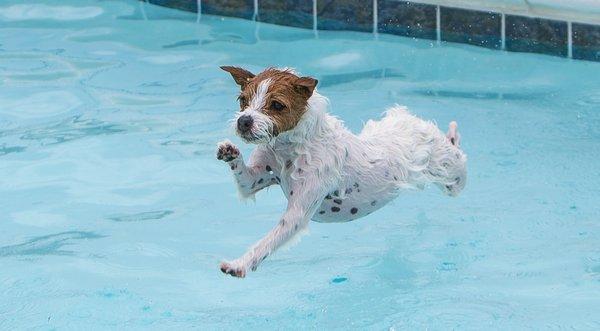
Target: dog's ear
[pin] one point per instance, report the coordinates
(306, 85)
(241, 76)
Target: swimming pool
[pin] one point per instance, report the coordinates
(115, 213)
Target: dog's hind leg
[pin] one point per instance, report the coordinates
(448, 164)
(453, 135)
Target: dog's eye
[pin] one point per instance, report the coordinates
(276, 105)
(242, 101)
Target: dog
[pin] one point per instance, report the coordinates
(327, 173)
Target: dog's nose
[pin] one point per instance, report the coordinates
(244, 123)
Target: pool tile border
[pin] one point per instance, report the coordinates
(536, 35)
(405, 18)
(416, 19)
(234, 8)
(472, 27)
(353, 15)
(586, 42)
(294, 13)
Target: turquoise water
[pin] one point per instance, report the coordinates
(115, 213)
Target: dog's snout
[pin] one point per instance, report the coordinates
(244, 123)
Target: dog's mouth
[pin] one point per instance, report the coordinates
(254, 138)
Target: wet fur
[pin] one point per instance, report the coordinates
(312, 155)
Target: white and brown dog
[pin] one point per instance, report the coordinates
(327, 173)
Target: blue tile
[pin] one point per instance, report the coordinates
(187, 5)
(536, 35)
(586, 42)
(406, 18)
(471, 27)
(234, 8)
(356, 15)
(297, 13)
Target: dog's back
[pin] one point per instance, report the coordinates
(417, 152)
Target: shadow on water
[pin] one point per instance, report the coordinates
(338, 79)
(10, 149)
(48, 245)
(144, 216)
(182, 43)
(480, 95)
(72, 129)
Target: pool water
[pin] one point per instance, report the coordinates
(116, 214)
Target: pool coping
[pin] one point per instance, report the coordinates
(513, 27)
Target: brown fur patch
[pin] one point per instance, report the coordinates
(286, 89)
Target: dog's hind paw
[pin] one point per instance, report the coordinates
(233, 270)
(227, 151)
(453, 134)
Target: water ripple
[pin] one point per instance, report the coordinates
(144, 216)
(10, 149)
(72, 129)
(338, 79)
(47, 245)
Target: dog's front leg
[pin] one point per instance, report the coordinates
(301, 206)
(261, 171)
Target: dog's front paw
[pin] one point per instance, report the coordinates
(227, 151)
(233, 269)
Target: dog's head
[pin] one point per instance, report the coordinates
(271, 102)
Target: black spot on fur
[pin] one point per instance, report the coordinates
(328, 197)
(299, 170)
(253, 185)
(355, 185)
(288, 164)
(354, 210)
(338, 201)
(233, 166)
(335, 209)
(260, 181)
(239, 173)
(268, 167)
(292, 192)
(282, 222)
(395, 178)
(457, 179)
(452, 141)
(278, 179)
(373, 202)
(348, 190)
(336, 193)
(322, 212)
